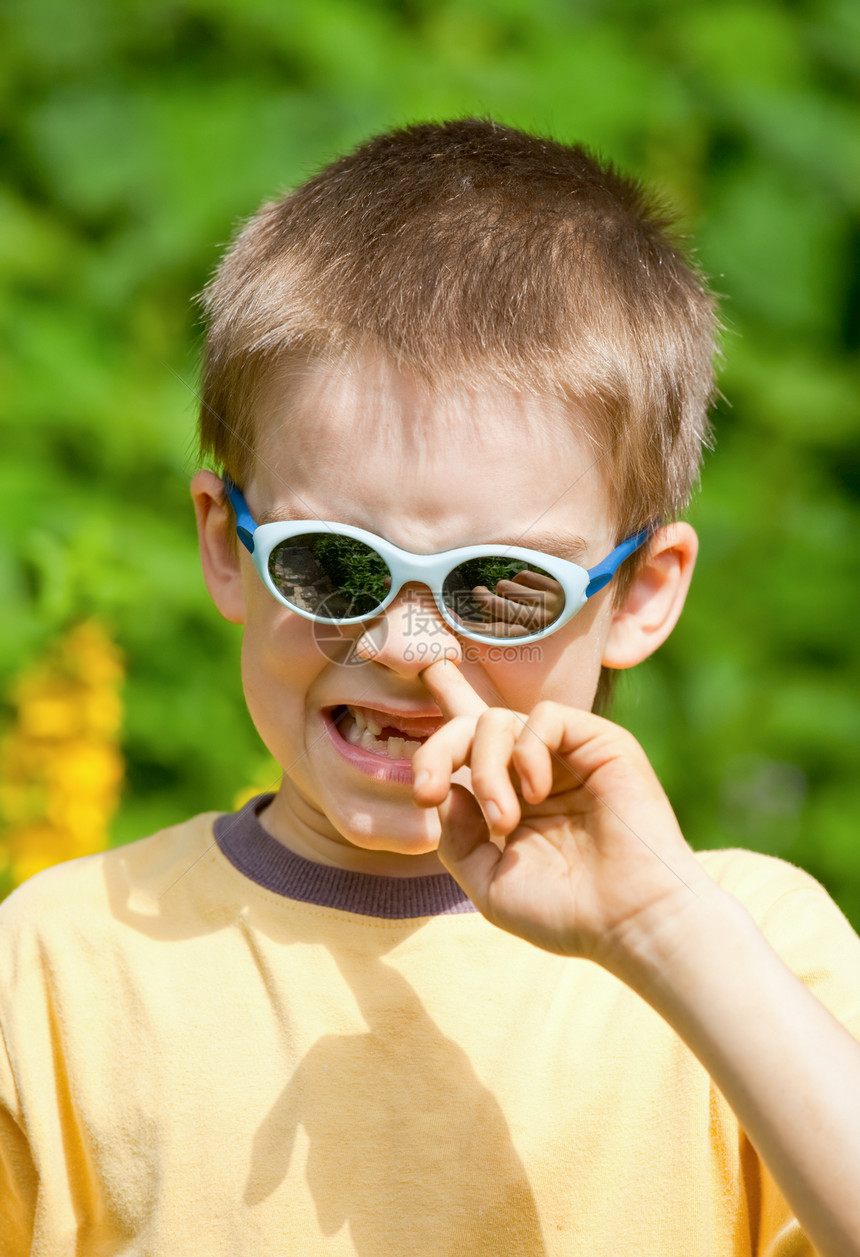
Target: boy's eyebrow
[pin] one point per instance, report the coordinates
(563, 545)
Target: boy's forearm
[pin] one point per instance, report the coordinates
(789, 1070)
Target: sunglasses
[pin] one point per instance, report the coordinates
(334, 573)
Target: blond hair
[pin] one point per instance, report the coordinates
(467, 250)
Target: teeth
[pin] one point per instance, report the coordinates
(364, 721)
(361, 730)
(394, 748)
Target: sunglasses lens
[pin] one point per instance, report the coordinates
(329, 574)
(499, 596)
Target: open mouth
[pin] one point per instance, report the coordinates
(363, 727)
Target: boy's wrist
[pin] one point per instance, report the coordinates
(667, 950)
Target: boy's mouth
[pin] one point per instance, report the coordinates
(397, 737)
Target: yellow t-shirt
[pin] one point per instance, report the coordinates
(214, 1048)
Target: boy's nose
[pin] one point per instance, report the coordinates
(410, 634)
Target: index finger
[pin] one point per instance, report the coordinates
(451, 690)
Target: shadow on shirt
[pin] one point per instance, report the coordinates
(404, 1141)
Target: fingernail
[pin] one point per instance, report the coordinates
(493, 812)
(421, 779)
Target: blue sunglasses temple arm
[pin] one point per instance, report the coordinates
(602, 574)
(245, 525)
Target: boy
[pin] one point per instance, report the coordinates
(459, 985)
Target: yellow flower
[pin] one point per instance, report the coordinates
(48, 709)
(61, 767)
(36, 847)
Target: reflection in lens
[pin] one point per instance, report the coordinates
(328, 573)
(502, 597)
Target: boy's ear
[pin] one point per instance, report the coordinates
(655, 599)
(219, 551)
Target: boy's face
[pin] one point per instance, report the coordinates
(371, 447)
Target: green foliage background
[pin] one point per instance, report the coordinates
(138, 134)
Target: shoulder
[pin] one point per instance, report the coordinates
(77, 892)
(757, 880)
(776, 894)
(801, 922)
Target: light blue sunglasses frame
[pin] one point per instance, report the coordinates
(577, 583)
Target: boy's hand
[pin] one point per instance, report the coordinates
(585, 855)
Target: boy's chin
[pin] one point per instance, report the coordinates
(398, 826)
(394, 839)
(393, 844)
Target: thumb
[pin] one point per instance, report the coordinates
(465, 847)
